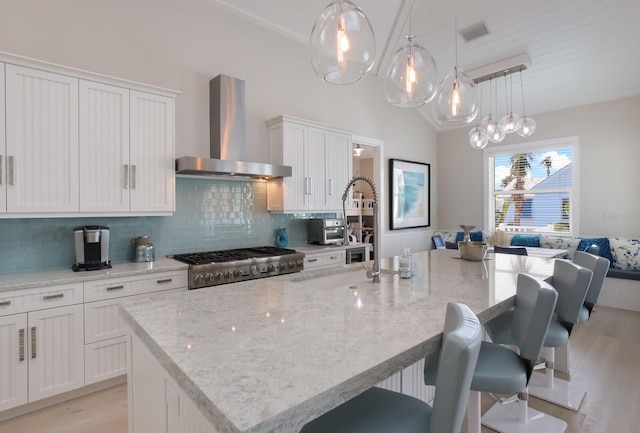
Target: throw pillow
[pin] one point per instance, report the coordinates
(602, 243)
(626, 253)
(569, 244)
(447, 236)
(475, 236)
(525, 241)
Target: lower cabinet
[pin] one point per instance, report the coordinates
(41, 354)
(158, 405)
(324, 259)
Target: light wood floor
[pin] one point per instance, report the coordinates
(605, 356)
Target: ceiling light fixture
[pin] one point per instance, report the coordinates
(357, 151)
(457, 100)
(527, 124)
(412, 78)
(495, 132)
(478, 138)
(510, 121)
(342, 43)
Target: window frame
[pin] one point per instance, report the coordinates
(534, 146)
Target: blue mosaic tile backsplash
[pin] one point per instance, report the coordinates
(210, 215)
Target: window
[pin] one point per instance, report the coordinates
(532, 187)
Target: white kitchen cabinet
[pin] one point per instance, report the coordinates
(104, 337)
(13, 360)
(41, 141)
(325, 259)
(321, 163)
(152, 170)
(3, 150)
(42, 338)
(104, 154)
(127, 152)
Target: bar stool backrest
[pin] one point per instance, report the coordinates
(599, 266)
(572, 283)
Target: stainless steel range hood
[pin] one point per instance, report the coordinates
(228, 148)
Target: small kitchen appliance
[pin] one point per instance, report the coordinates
(92, 248)
(326, 231)
(212, 268)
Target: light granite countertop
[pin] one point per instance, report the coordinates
(312, 248)
(271, 354)
(31, 279)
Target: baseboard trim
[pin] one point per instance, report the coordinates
(620, 293)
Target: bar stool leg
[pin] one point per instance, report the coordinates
(474, 412)
(554, 390)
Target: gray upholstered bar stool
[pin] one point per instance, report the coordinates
(599, 266)
(384, 411)
(503, 371)
(572, 282)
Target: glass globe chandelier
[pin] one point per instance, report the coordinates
(412, 78)
(478, 138)
(495, 132)
(343, 46)
(527, 124)
(457, 99)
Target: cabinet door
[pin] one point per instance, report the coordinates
(13, 364)
(339, 169)
(315, 169)
(3, 154)
(42, 141)
(56, 351)
(104, 150)
(294, 155)
(152, 171)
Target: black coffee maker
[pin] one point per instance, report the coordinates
(92, 248)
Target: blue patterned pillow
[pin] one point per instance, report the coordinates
(626, 253)
(602, 243)
(569, 244)
(475, 236)
(525, 241)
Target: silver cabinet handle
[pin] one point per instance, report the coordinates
(330, 186)
(312, 260)
(56, 296)
(33, 342)
(5, 303)
(10, 181)
(166, 280)
(133, 177)
(110, 289)
(310, 185)
(0, 169)
(126, 176)
(21, 345)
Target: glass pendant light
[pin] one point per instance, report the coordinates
(412, 78)
(477, 136)
(495, 132)
(457, 100)
(527, 124)
(510, 122)
(342, 43)
(357, 151)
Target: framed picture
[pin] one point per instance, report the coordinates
(409, 194)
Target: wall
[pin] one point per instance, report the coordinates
(182, 44)
(609, 151)
(210, 215)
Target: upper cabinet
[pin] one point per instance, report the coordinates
(41, 141)
(77, 143)
(320, 159)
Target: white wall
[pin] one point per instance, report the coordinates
(182, 44)
(609, 151)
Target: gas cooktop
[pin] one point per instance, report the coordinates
(210, 268)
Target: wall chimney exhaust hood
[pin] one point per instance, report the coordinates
(229, 154)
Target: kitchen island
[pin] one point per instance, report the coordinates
(269, 355)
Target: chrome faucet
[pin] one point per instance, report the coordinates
(375, 272)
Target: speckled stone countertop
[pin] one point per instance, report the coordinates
(312, 248)
(271, 354)
(30, 279)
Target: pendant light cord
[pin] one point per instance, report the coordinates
(524, 113)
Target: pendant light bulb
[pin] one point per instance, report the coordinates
(412, 77)
(510, 122)
(343, 46)
(478, 138)
(527, 124)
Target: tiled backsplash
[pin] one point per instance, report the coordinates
(210, 215)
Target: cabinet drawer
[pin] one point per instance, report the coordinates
(118, 287)
(102, 319)
(324, 259)
(23, 300)
(105, 359)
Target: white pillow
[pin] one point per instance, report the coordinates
(626, 253)
(569, 244)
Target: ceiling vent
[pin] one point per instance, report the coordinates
(474, 31)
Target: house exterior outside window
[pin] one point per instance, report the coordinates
(532, 188)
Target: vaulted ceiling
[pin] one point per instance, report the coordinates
(579, 51)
